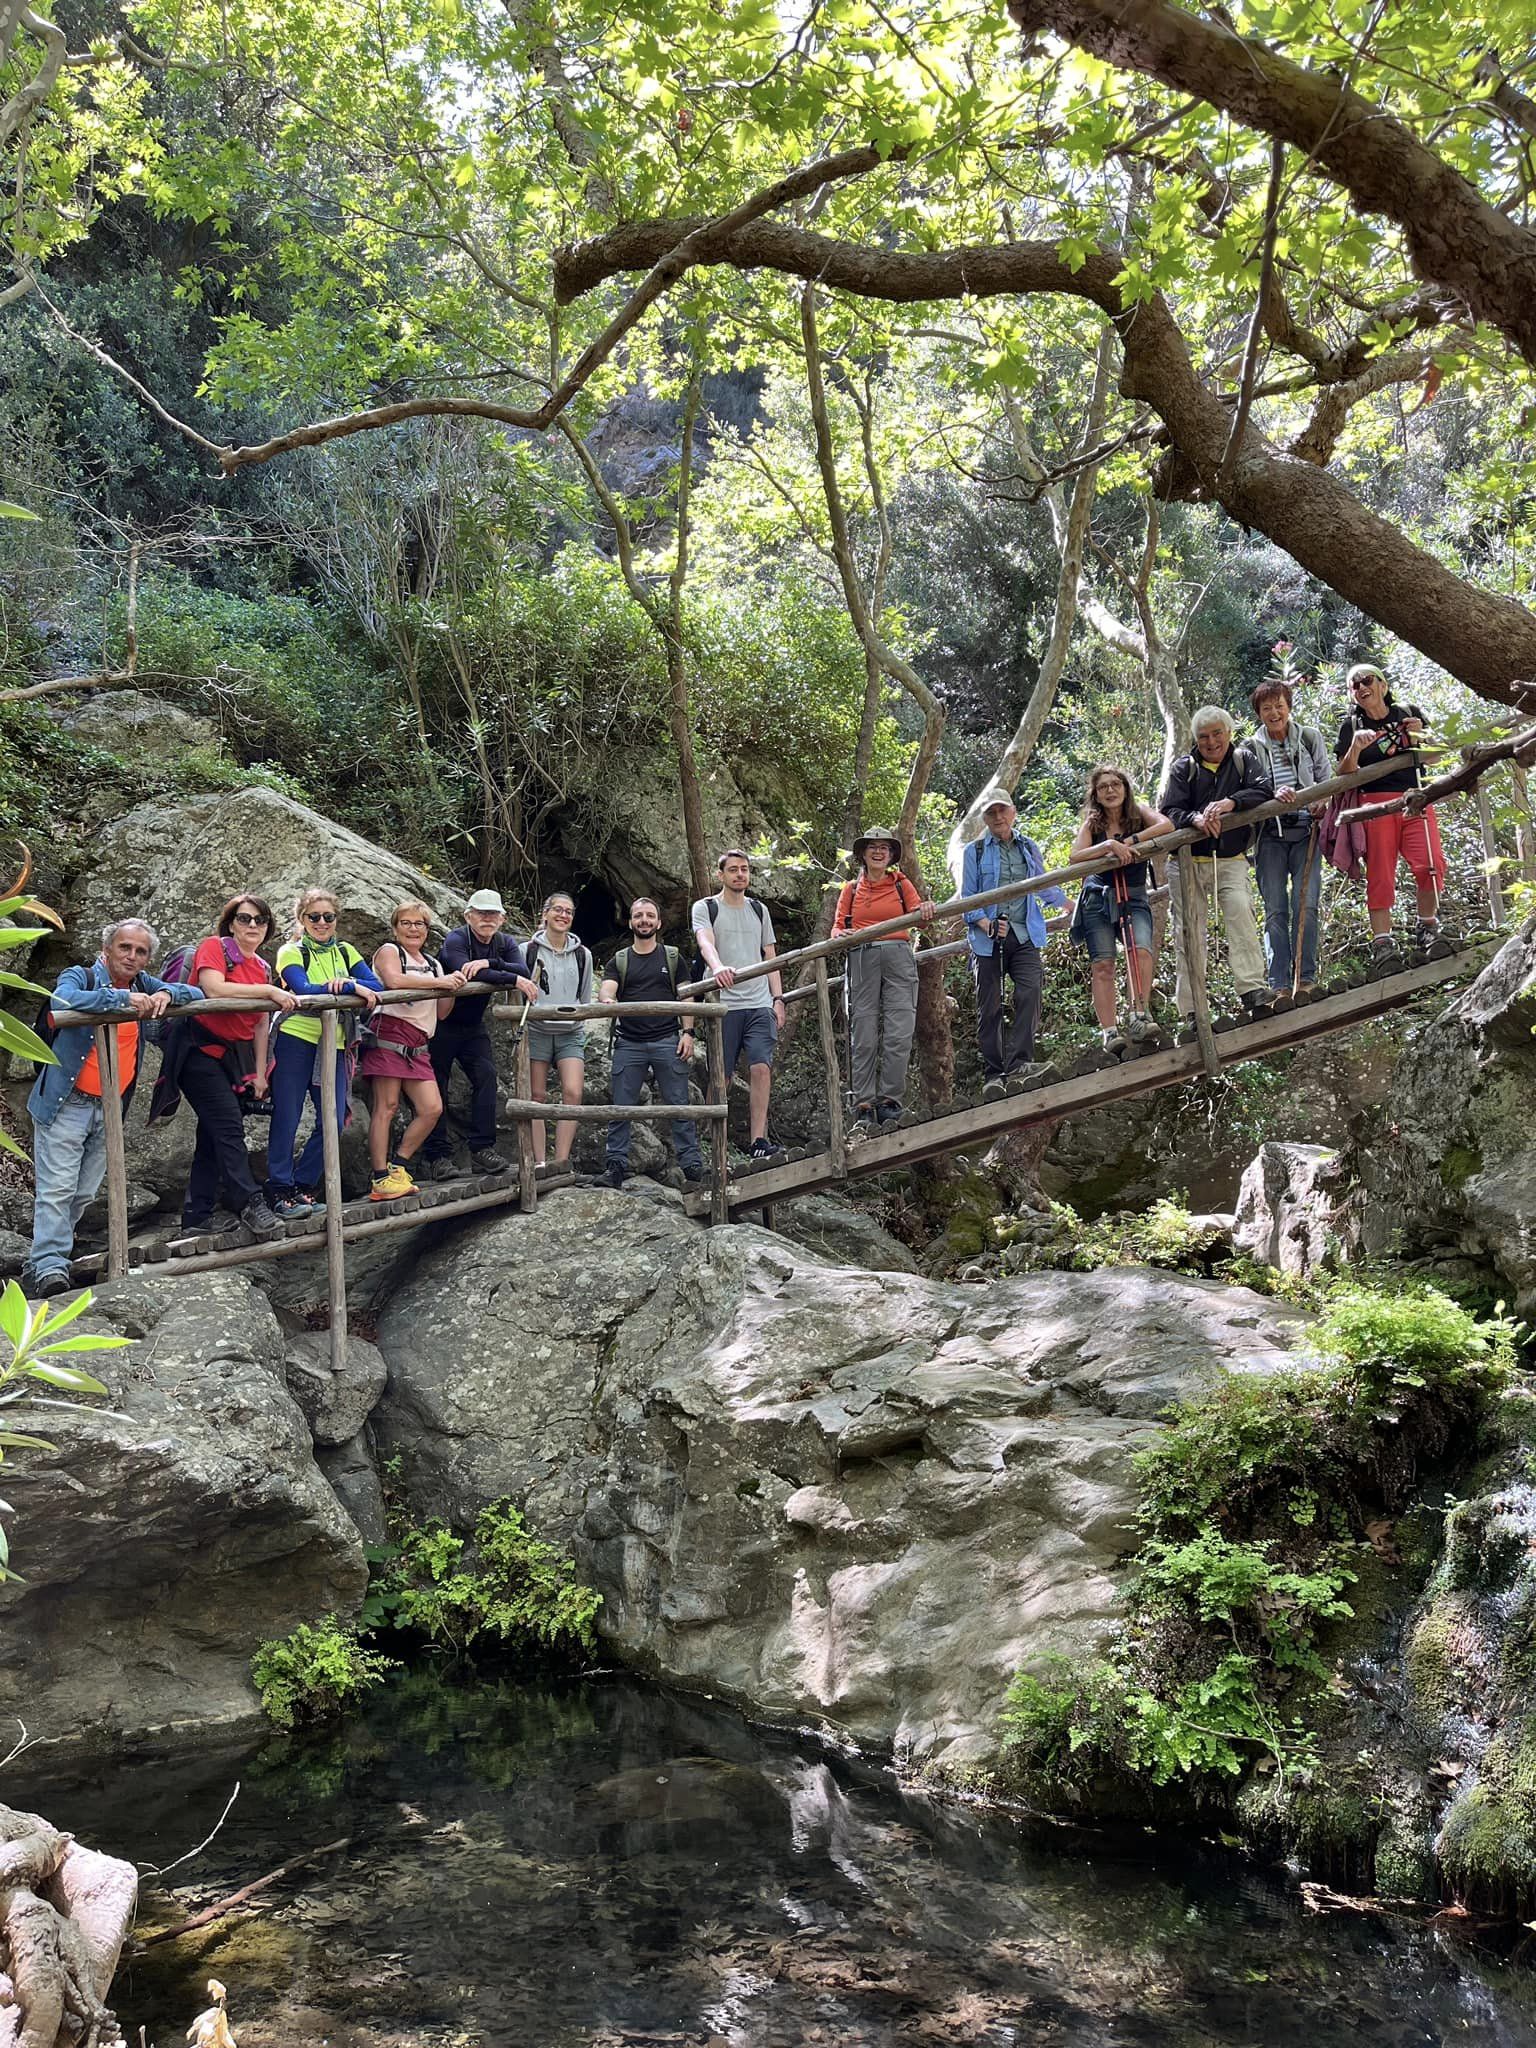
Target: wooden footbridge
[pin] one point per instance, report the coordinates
(1214, 1045)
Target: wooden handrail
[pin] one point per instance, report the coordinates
(1075, 871)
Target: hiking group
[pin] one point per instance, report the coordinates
(229, 1064)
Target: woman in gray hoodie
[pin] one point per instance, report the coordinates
(562, 967)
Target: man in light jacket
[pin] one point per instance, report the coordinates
(1007, 940)
(1207, 790)
(69, 1145)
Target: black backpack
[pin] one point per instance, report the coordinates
(699, 968)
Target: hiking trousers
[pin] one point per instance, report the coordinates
(69, 1163)
(1234, 900)
(293, 1083)
(1022, 962)
(882, 1015)
(633, 1060)
(1280, 861)
(472, 1051)
(220, 1158)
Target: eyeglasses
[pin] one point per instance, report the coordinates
(319, 917)
(412, 924)
(1366, 685)
(248, 917)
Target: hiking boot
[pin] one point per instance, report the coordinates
(693, 1175)
(391, 1184)
(864, 1118)
(1429, 942)
(438, 1169)
(312, 1198)
(1034, 1074)
(45, 1286)
(1258, 1002)
(1113, 1040)
(1139, 1026)
(890, 1111)
(994, 1089)
(765, 1148)
(617, 1173)
(489, 1162)
(289, 1206)
(259, 1219)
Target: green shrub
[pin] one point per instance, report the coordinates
(1249, 1502)
(506, 1583)
(316, 1672)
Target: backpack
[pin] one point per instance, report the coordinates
(156, 1030)
(674, 961)
(902, 886)
(42, 1023)
(699, 968)
(531, 954)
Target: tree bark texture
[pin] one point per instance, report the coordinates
(1488, 641)
(64, 1912)
(1455, 237)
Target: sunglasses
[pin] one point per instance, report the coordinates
(1364, 689)
(319, 917)
(248, 917)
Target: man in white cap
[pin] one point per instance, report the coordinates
(1007, 939)
(492, 959)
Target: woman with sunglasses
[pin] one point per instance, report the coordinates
(314, 962)
(400, 1057)
(1377, 728)
(225, 1066)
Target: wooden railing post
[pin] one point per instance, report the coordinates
(719, 1092)
(117, 1155)
(330, 1140)
(1491, 858)
(836, 1143)
(1195, 965)
(527, 1181)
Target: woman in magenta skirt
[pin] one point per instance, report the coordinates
(400, 1056)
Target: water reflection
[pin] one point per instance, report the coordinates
(598, 1864)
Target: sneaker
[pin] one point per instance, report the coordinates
(617, 1173)
(1113, 1040)
(1139, 1026)
(995, 1089)
(1035, 1074)
(289, 1206)
(864, 1116)
(890, 1111)
(198, 1226)
(693, 1175)
(259, 1219)
(1256, 1001)
(312, 1198)
(489, 1162)
(765, 1148)
(391, 1184)
(438, 1169)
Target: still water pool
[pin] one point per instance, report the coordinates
(598, 1865)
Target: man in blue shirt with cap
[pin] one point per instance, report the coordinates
(1007, 940)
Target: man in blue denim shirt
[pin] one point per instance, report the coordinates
(1006, 940)
(69, 1147)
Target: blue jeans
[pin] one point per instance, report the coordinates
(69, 1158)
(633, 1059)
(1279, 862)
(293, 1079)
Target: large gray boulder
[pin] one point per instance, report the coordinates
(169, 1533)
(864, 1498)
(1293, 1209)
(176, 862)
(135, 722)
(1453, 1174)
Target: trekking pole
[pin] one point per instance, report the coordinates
(1309, 866)
(1127, 947)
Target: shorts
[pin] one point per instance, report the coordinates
(754, 1032)
(1399, 837)
(567, 1043)
(1099, 918)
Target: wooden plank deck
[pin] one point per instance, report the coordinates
(1091, 1086)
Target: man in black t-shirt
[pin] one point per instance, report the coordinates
(658, 1048)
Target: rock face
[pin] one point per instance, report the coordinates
(176, 863)
(1453, 1174)
(136, 722)
(1292, 1210)
(859, 1497)
(169, 1533)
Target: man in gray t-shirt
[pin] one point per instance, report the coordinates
(738, 935)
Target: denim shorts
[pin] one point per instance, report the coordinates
(568, 1043)
(1099, 917)
(753, 1032)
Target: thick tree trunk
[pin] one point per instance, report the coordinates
(1487, 641)
(64, 1913)
(1455, 237)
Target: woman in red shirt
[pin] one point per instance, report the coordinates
(226, 1065)
(882, 977)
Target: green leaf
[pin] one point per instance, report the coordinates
(19, 981)
(65, 1377)
(20, 935)
(66, 1316)
(8, 1144)
(14, 1317)
(21, 1038)
(8, 510)
(14, 1440)
(85, 1341)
